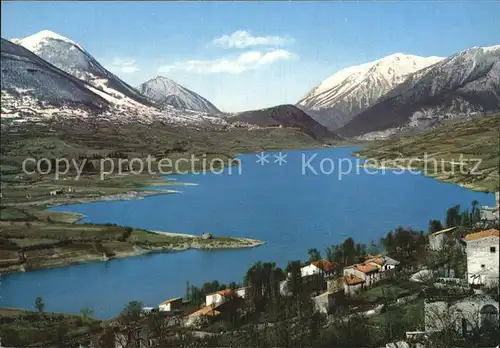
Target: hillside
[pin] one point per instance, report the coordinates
(476, 140)
(286, 116)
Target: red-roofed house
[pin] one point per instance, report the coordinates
(368, 272)
(352, 284)
(324, 267)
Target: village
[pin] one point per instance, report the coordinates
(422, 290)
(460, 301)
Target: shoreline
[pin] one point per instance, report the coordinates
(188, 241)
(198, 243)
(130, 195)
(437, 176)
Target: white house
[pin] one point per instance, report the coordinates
(491, 214)
(437, 239)
(219, 297)
(482, 257)
(318, 267)
(368, 272)
(240, 292)
(170, 305)
(352, 284)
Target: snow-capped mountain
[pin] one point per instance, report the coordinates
(463, 85)
(34, 90)
(341, 97)
(25, 76)
(165, 91)
(72, 58)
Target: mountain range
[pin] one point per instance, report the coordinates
(401, 93)
(342, 96)
(463, 85)
(46, 73)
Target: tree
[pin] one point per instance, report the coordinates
(475, 215)
(314, 254)
(453, 216)
(39, 305)
(131, 312)
(263, 280)
(435, 226)
(465, 218)
(188, 290)
(294, 284)
(373, 248)
(349, 253)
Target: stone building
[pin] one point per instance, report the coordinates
(482, 257)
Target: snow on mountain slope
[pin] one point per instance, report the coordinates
(341, 97)
(25, 75)
(70, 57)
(73, 84)
(165, 91)
(463, 85)
(33, 90)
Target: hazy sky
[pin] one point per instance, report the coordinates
(246, 55)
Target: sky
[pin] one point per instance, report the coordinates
(250, 55)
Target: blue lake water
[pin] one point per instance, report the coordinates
(291, 209)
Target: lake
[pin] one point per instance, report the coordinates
(292, 207)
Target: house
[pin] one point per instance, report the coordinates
(467, 314)
(240, 292)
(352, 284)
(488, 214)
(482, 257)
(324, 267)
(325, 302)
(56, 192)
(384, 263)
(491, 214)
(147, 310)
(437, 240)
(170, 305)
(219, 297)
(368, 272)
(202, 316)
